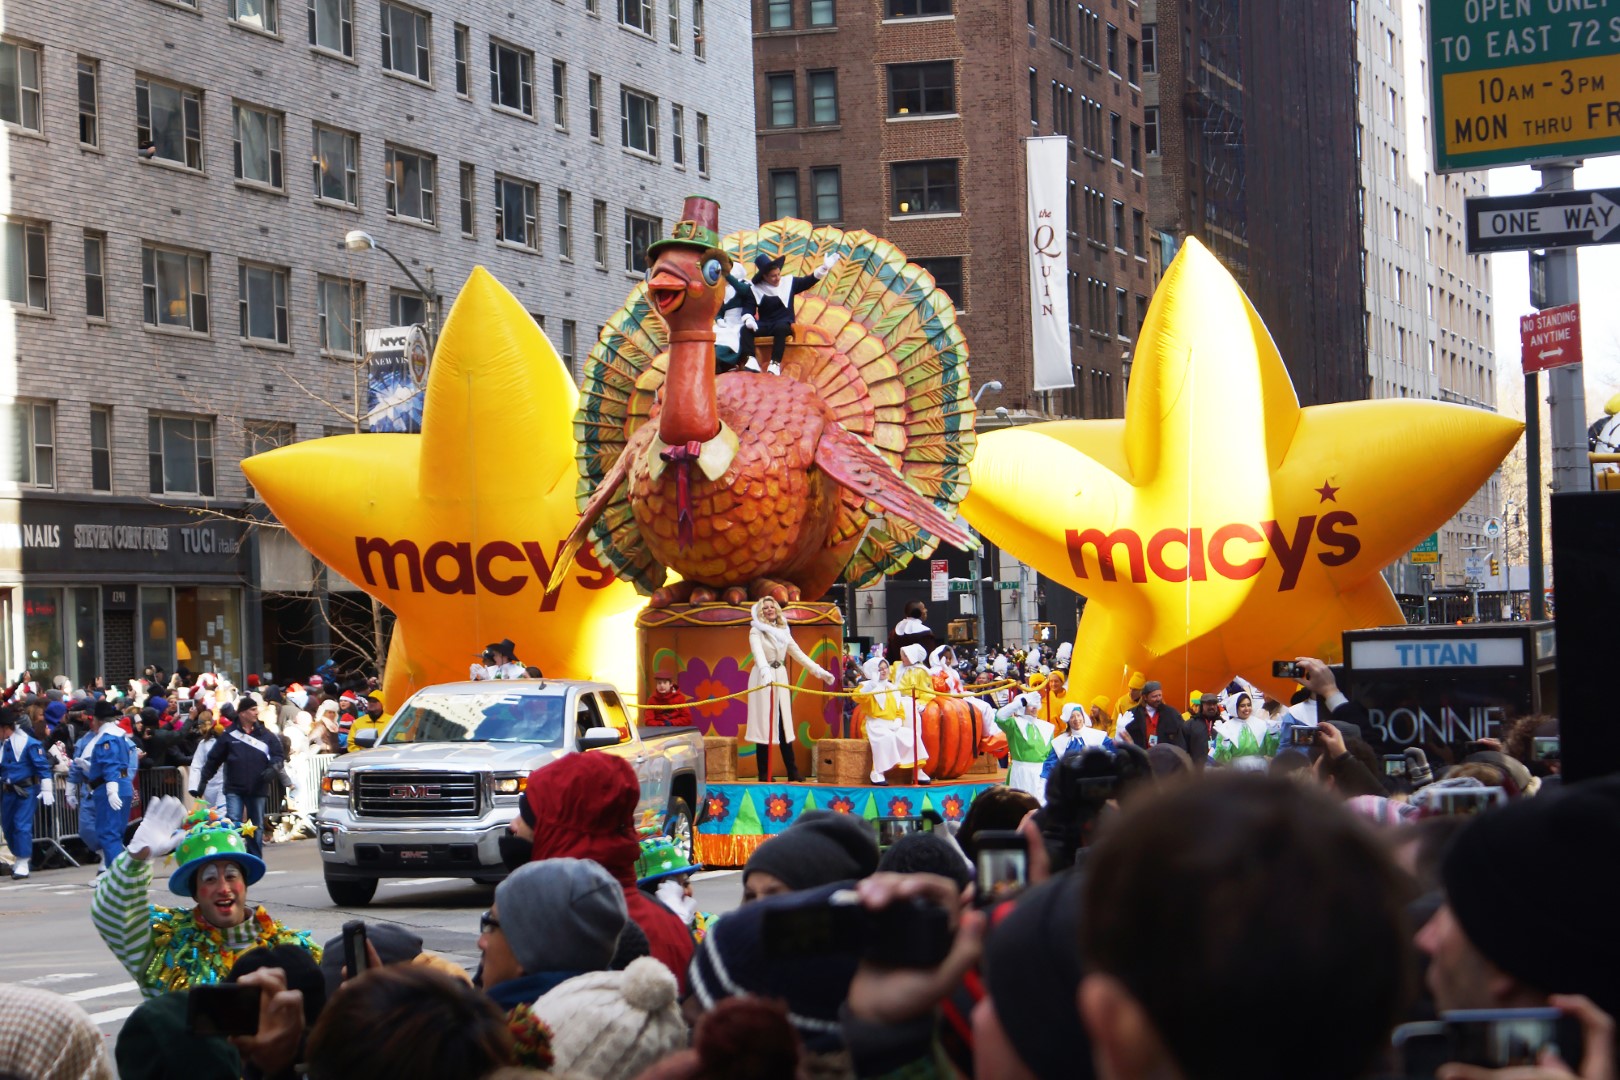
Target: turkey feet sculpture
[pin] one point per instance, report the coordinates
(748, 484)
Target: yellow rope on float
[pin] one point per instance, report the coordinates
(981, 688)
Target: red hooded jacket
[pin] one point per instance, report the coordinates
(584, 808)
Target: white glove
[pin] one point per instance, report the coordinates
(750, 322)
(47, 793)
(114, 800)
(159, 832)
(829, 261)
(72, 798)
(476, 672)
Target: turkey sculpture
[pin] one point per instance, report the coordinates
(850, 463)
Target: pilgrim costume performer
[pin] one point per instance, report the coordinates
(771, 640)
(167, 949)
(888, 726)
(1028, 740)
(774, 295)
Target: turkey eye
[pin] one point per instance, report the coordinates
(711, 271)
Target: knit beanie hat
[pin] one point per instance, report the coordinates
(1549, 840)
(610, 1025)
(155, 1043)
(561, 915)
(1032, 1001)
(819, 848)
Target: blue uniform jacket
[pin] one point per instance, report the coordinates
(109, 761)
(27, 768)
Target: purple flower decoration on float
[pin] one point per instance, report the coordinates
(899, 807)
(702, 684)
(778, 807)
(718, 806)
(841, 805)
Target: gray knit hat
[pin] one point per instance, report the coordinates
(613, 1025)
(561, 915)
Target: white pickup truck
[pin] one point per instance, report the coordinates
(434, 795)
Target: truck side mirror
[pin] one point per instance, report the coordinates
(597, 737)
(367, 739)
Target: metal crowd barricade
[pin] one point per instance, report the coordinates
(57, 823)
(306, 771)
(151, 784)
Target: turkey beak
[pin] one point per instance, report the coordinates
(668, 291)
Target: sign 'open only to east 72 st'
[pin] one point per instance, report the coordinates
(1519, 81)
(1544, 219)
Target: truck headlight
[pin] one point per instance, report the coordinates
(335, 785)
(512, 785)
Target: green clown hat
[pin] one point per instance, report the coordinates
(211, 837)
(660, 859)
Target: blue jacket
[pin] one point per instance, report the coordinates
(110, 761)
(526, 989)
(248, 761)
(30, 766)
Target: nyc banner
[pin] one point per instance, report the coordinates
(1047, 167)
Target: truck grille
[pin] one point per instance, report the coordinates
(389, 794)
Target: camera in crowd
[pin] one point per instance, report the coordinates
(1076, 792)
(906, 934)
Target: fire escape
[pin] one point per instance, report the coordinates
(1214, 110)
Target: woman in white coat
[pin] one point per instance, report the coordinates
(771, 641)
(207, 728)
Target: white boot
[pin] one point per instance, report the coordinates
(924, 778)
(878, 779)
(776, 369)
(751, 365)
(21, 869)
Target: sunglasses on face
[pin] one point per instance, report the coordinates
(487, 922)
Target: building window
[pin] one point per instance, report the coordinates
(1113, 48)
(1119, 225)
(922, 89)
(463, 43)
(27, 280)
(515, 213)
(779, 100)
(259, 14)
(1116, 140)
(1139, 233)
(263, 436)
(915, 9)
(340, 305)
(33, 454)
(599, 240)
(174, 285)
(95, 275)
(406, 308)
(1122, 315)
(785, 193)
(336, 153)
(823, 97)
(1150, 130)
(699, 39)
(593, 104)
(593, 8)
(89, 99)
(570, 348)
(511, 78)
(168, 121)
(468, 220)
(640, 231)
(1150, 49)
(779, 14)
(256, 145)
(1034, 99)
(262, 303)
(180, 455)
(1136, 148)
(331, 26)
(565, 224)
(823, 13)
(559, 95)
(826, 188)
(19, 85)
(677, 134)
(947, 274)
(409, 182)
(675, 24)
(1131, 75)
(100, 448)
(925, 187)
(637, 15)
(639, 131)
(703, 144)
(406, 38)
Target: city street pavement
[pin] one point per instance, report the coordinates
(48, 939)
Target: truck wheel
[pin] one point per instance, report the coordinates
(678, 826)
(351, 892)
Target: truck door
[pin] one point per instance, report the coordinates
(652, 768)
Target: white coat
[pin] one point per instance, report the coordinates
(772, 646)
(214, 794)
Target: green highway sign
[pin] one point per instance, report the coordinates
(1431, 544)
(1427, 551)
(1518, 81)
(1006, 586)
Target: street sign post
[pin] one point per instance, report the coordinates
(939, 576)
(1550, 338)
(962, 586)
(1427, 551)
(1544, 219)
(1520, 81)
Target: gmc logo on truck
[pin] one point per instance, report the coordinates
(414, 791)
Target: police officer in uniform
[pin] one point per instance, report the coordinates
(23, 768)
(105, 766)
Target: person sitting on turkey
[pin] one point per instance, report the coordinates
(774, 294)
(736, 314)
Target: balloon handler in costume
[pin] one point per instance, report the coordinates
(771, 641)
(167, 949)
(888, 724)
(1028, 740)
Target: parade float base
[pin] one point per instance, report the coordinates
(738, 817)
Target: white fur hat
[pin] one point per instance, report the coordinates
(611, 1025)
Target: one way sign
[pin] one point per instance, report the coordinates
(1544, 219)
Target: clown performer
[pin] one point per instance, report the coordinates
(771, 640)
(888, 724)
(22, 769)
(1245, 732)
(167, 949)
(663, 871)
(1028, 740)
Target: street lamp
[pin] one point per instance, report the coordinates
(993, 384)
(360, 240)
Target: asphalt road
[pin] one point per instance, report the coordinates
(46, 938)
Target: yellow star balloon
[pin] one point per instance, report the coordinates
(1220, 526)
(456, 529)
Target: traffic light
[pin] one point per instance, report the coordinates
(1496, 567)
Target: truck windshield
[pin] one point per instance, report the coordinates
(523, 718)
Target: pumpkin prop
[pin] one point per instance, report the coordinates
(950, 733)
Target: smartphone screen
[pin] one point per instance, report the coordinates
(1002, 866)
(1284, 669)
(1394, 764)
(1544, 747)
(224, 1009)
(891, 829)
(1463, 802)
(1504, 1038)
